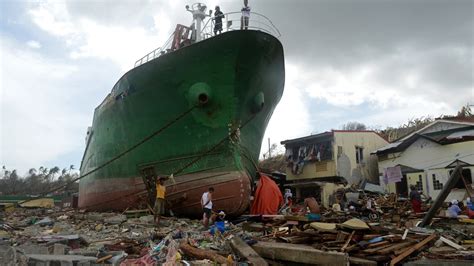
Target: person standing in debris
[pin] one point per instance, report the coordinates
(415, 199)
(453, 210)
(314, 211)
(159, 208)
(244, 20)
(206, 203)
(218, 16)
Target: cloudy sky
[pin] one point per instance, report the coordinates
(373, 61)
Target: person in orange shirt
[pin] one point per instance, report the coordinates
(160, 200)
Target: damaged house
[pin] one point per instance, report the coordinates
(427, 157)
(318, 165)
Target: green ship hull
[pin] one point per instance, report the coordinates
(207, 106)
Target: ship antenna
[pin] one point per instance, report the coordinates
(199, 14)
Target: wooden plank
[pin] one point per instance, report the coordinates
(411, 250)
(245, 251)
(299, 253)
(394, 247)
(343, 249)
(378, 244)
(202, 254)
(361, 261)
(100, 260)
(374, 250)
(451, 243)
(400, 251)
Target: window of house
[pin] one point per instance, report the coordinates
(339, 151)
(466, 173)
(359, 154)
(436, 184)
(419, 183)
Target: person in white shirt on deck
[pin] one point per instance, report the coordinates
(206, 203)
(244, 21)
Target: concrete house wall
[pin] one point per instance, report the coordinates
(345, 144)
(342, 163)
(431, 158)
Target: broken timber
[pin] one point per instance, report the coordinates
(411, 250)
(299, 253)
(201, 253)
(245, 251)
(453, 179)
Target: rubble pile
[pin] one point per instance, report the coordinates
(71, 237)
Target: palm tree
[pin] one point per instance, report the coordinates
(32, 171)
(53, 171)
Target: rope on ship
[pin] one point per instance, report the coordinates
(154, 134)
(184, 167)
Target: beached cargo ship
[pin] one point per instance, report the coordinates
(196, 108)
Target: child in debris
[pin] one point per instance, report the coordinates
(314, 210)
(219, 223)
(453, 210)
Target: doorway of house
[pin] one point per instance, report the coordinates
(402, 187)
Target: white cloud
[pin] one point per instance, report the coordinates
(87, 38)
(36, 119)
(54, 18)
(291, 118)
(33, 44)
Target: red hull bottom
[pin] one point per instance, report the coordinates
(232, 193)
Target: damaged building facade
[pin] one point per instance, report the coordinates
(427, 157)
(318, 165)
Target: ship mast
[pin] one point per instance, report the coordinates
(199, 14)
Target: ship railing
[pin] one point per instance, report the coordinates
(155, 53)
(232, 21)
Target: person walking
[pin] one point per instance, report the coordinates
(206, 203)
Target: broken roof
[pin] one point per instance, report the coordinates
(311, 138)
(442, 137)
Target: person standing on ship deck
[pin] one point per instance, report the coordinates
(159, 207)
(218, 16)
(244, 21)
(206, 203)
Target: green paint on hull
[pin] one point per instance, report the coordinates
(235, 72)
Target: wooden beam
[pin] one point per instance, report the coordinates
(452, 244)
(299, 254)
(453, 179)
(202, 253)
(411, 250)
(360, 261)
(343, 249)
(245, 251)
(394, 247)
